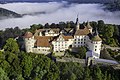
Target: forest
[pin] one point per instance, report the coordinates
(16, 64)
(19, 65)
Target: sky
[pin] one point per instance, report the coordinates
(55, 12)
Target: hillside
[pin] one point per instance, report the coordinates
(4, 13)
(114, 6)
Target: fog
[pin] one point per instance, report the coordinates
(55, 12)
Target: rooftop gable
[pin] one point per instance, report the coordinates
(82, 32)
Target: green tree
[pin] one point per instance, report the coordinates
(3, 75)
(5, 66)
(97, 73)
(11, 45)
(100, 26)
(47, 25)
(82, 52)
(2, 56)
(70, 70)
(26, 65)
(108, 31)
(116, 30)
(19, 77)
(34, 27)
(87, 74)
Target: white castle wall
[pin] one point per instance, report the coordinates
(80, 40)
(29, 44)
(95, 46)
(61, 45)
(41, 50)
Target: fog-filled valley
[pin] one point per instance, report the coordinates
(55, 12)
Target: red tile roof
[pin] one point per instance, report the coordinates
(43, 41)
(82, 32)
(28, 35)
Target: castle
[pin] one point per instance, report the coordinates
(46, 40)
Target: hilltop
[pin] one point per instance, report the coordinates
(4, 14)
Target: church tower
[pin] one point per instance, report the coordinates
(77, 24)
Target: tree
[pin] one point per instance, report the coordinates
(5, 66)
(3, 75)
(116, 31)
(100, 26)
(34, 27)
(26, 65)
(87, 74)
(82, 52)
(11, 45)
(47, 25)
(94, 24)
(2, 56)
(97, 73)
(70, 71)
(19, 77)
(108, 31)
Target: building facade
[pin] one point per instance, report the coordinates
(46, 41)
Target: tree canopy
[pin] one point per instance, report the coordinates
(11, 45)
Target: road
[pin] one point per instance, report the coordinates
(112, 48)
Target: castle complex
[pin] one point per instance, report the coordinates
(46, 40)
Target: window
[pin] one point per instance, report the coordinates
(78, 42)
(75, 39)
(78, 39)
(75, 42)
(95, 46)
(81, 42)
(81, 39)
(95, 49)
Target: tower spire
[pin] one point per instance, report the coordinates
(96, 32)
(77, 23)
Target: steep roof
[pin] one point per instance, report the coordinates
(43, 41)
(88, 25)
(28, 35)
(96, 38)
(43, 30)
(82, 32)
(67, 37)
(56, 30)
